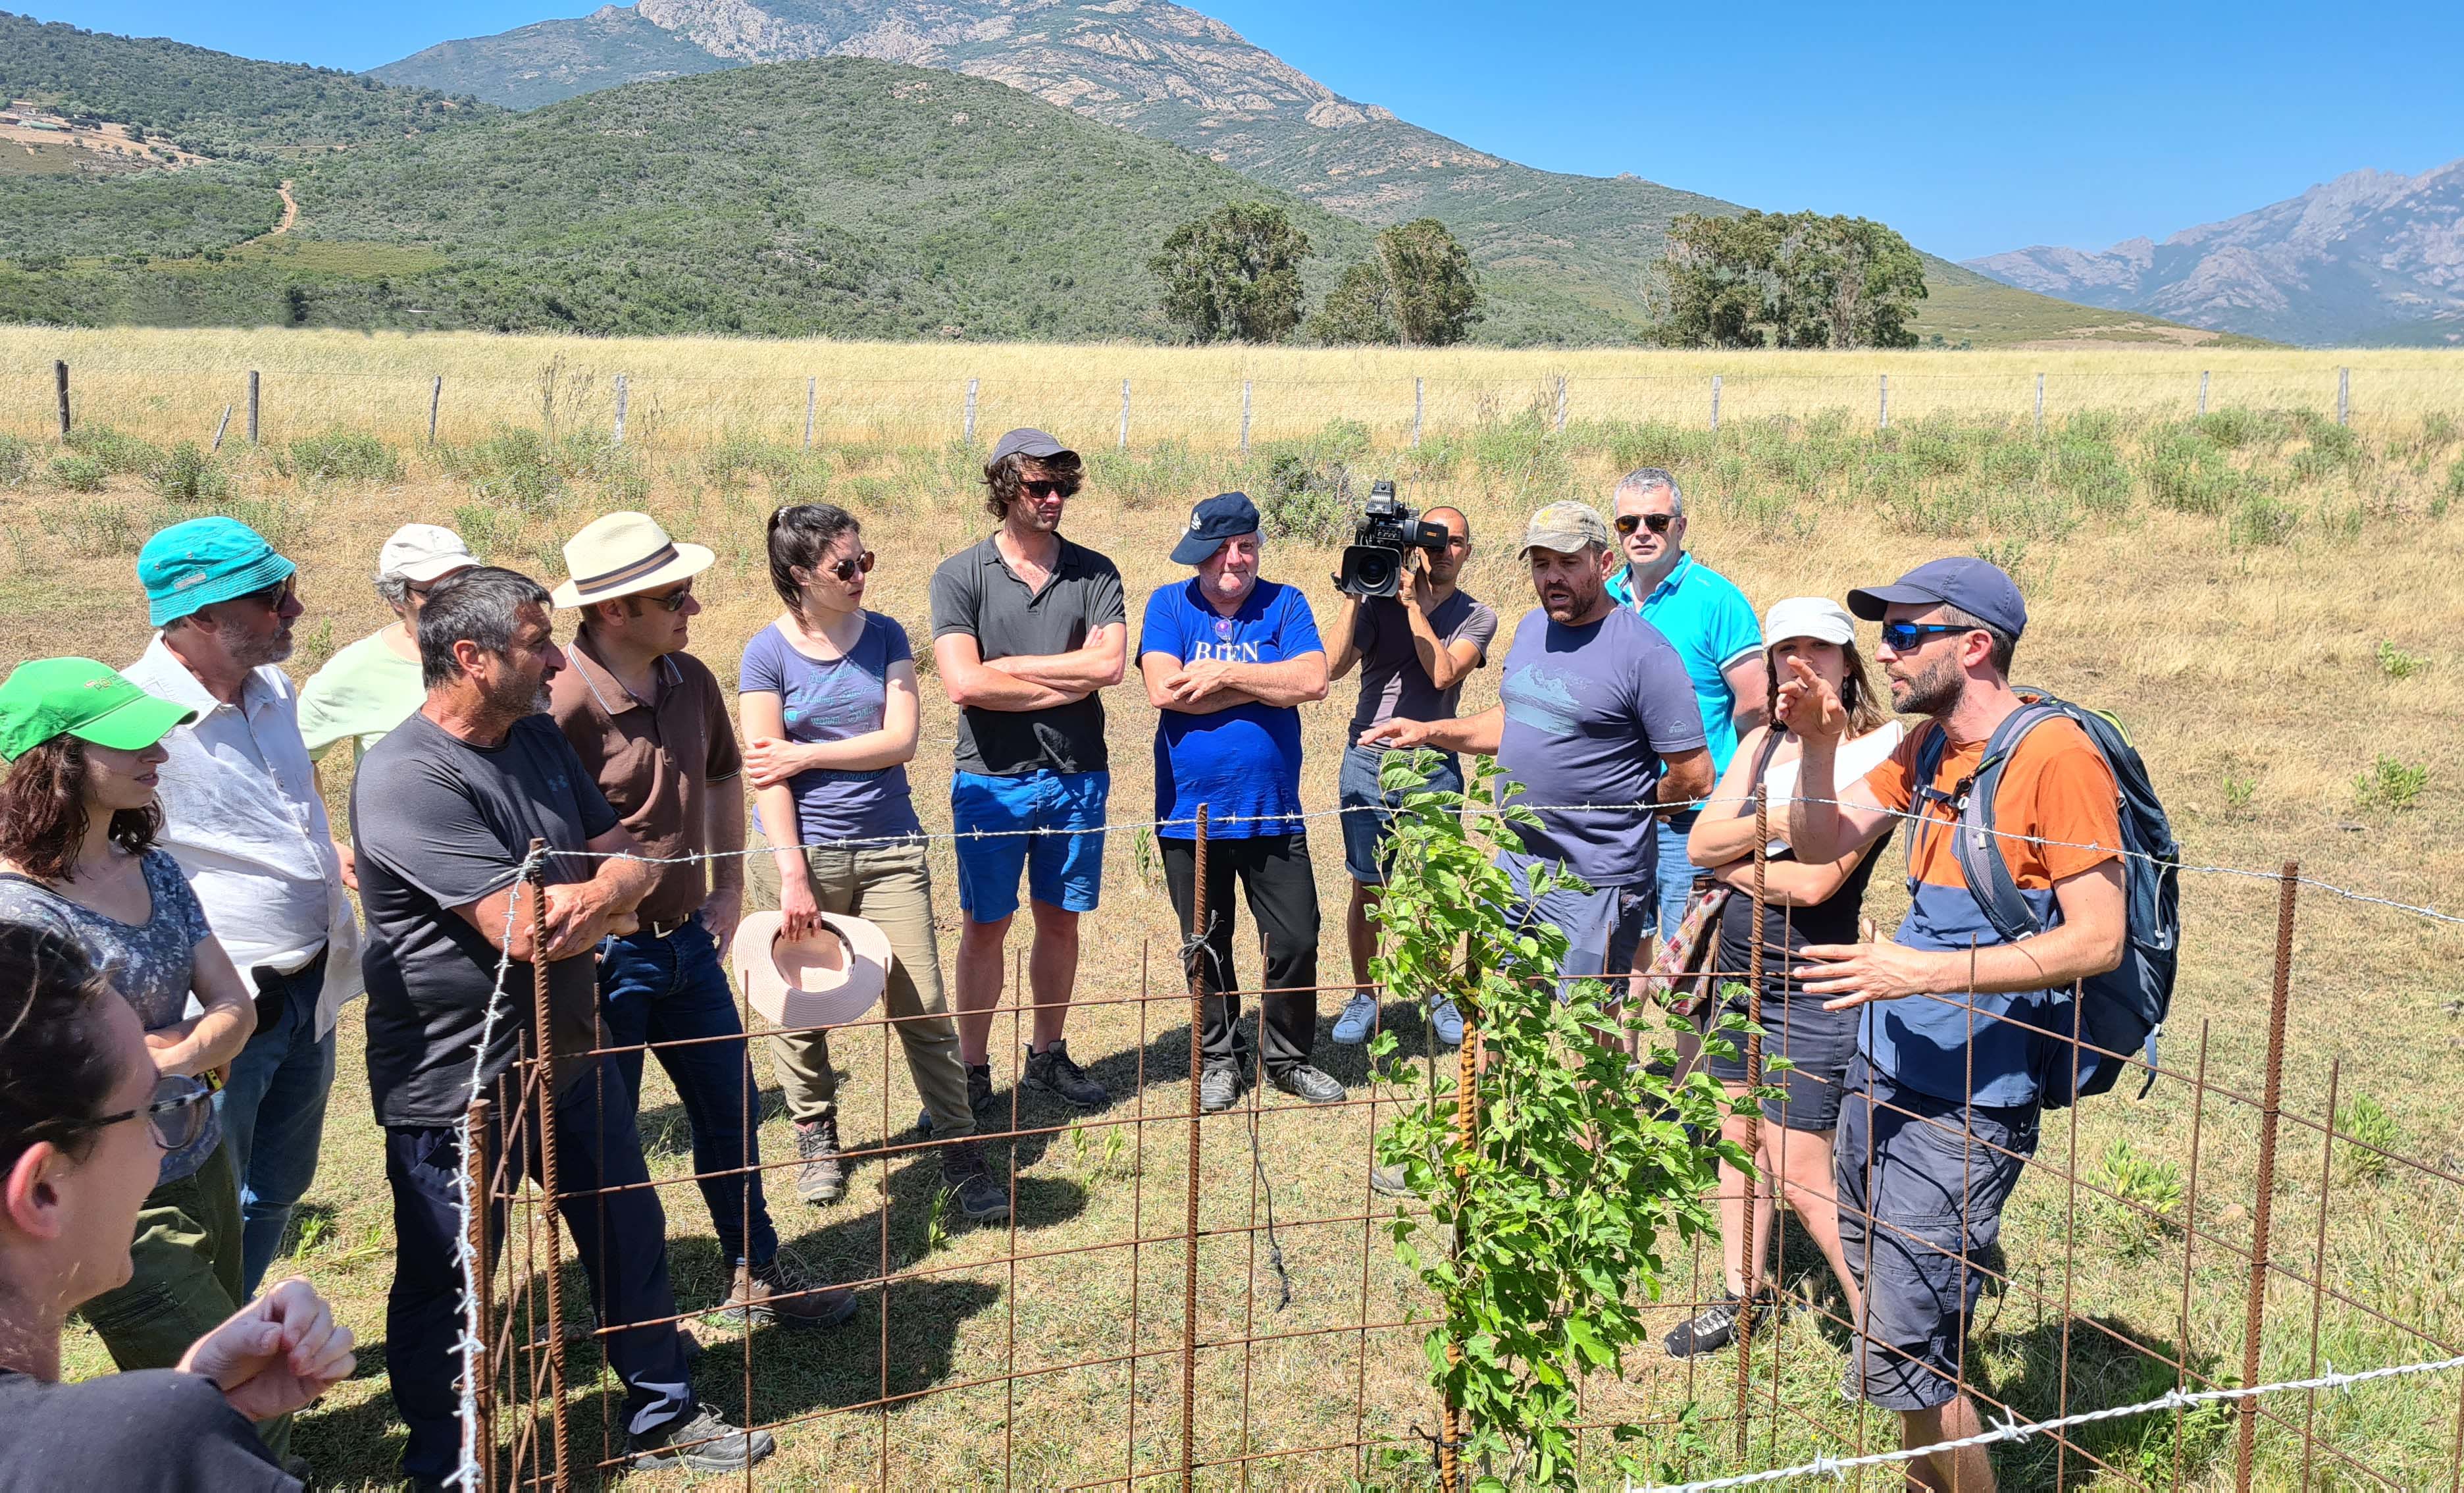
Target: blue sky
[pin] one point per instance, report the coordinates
(1970, 128)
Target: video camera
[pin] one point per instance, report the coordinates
(1373, 563)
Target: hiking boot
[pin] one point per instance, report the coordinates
(1052, 1069)
(1315, 1085)
(1445, 1022)
(821, 1180)
(1389, 1182)
(1357, 1019)
(980, 1200)
(704, 1443)
(1715, 1326)
(1219, 1087)
(980, 1088)
(779, 1290)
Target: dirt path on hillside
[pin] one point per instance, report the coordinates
(290, 210)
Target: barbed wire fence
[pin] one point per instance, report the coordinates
(514, 1353)
(1101, 411)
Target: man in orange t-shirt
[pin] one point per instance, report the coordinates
(1965, 1035)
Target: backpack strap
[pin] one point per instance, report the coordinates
(1977, 847)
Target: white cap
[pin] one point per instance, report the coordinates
(421, 553)
(1818, 617)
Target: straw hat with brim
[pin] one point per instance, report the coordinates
(829, 977)
(81, 697)
(623, 555)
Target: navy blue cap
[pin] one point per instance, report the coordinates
(1222, 516)
(1979, 587)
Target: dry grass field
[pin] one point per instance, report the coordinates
(2268, 600)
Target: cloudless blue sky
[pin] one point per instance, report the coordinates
(1970, 128)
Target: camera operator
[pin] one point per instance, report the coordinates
(1413, 650)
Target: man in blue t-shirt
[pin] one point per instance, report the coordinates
(1595, 709)
(1709, 623)
(1228, 660)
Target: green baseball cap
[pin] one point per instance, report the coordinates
(89, 701)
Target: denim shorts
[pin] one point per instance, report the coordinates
(1922, 1235)
(1368, 812)
(1027, 823)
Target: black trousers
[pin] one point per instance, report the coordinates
(1281, 888)
(626, 1263)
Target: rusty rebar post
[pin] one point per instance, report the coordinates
(1467, 1138)
(474, 1170)
(1194, 963)
(545, 1119)
(1753, 1109)
(2255, 1300)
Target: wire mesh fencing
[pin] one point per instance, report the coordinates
(2225, 1271)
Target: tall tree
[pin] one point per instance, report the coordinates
(1234, 275)
(1796, 279)
(1419, 290)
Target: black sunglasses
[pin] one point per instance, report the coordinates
(273, 598)
(675, 600)
(848, 570)
(1901, 636)
(1043, 488)
(176, 1116)
(1656, 523)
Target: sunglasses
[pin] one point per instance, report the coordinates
(1044, 489)
(675, 600)
(274, 597)
(1905, 637)
(176, 1116)
(1656, 523)
(848, 570)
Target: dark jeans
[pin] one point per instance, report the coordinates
(1274, 873)
(672, 990)
(620, 1236)
(273, 1115)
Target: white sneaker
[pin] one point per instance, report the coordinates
(1359, 1014)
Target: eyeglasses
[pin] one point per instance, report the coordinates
(1038, 488)
(274, 597)
(176, 1116)
(1902, 636)
(675, 600)
(848, 570)
(1656, 523)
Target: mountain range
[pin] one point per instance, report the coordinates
(1570, 257)
(2370, 257)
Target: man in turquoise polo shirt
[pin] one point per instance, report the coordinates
(1710, 624)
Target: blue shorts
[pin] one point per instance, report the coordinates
(1020, 819)
(1603, 926)
(1367, 812)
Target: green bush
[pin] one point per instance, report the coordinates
(2397, 664)
(118, 453)
(738, 456)
(80, 473)
(186, 474)
(2237, 427)
(340, 455)
(2089, 470)
(16, 458)
(2261, 521)
(2390, 784)
(2146, 1195)
(2185, 473)
(2364, 1118)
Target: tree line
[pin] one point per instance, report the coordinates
(1781, 279)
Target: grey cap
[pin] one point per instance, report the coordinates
(1028, 442)
(1565, 528)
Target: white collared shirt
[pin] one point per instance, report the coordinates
(243, 817)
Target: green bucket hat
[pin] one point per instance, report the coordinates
(89, 701)
(193, 564)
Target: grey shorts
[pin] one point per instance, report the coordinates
(1602, 927)
(1820, 1043)
(1939, 1172)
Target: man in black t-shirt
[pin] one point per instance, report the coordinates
(443, 812)
(1028, 628)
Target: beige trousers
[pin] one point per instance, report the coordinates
(889, 886)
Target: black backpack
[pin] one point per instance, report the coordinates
(2124, 1009)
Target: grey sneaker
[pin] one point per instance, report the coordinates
(981, 1199)
(1315, 1085)
(1219, 1087)
(1052, 1069)
(822, 1180)
(704, 1443)
(1389, 1182)
(1357, 1019)
(1715, 1326)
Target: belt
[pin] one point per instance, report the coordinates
(657, 929)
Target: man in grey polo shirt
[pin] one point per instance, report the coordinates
(1026, 629)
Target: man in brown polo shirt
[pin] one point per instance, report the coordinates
(651, 726)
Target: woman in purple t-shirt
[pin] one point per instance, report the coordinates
(827, 694)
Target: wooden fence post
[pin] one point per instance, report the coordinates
(620, 410)
(1715, 403)
(812, 392)
(435, 397)
(1125, 415)
(252, 383)
(60, 387)
(2343, 396)
(2040, 404)
(1244, 419)
(220, 426)
(1561, 401)
(2203, 392)
(1882, 416)
(1419, 405)
(969, 433)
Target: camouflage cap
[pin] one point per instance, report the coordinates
(1565, 527)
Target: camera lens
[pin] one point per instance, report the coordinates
(1370, 570)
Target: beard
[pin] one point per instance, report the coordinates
(1577, 599)
(516, 696)
(250, 650)
(1936, 692)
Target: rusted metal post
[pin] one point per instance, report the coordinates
(1450, 1470)
(1193, 961)
(475, 1169)
(1753, 1109)
(2254, 1300)
(545, 1119)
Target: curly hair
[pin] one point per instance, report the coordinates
(43, 812)
(56, 1065)
(1004, 479)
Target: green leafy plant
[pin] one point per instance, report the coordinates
(340, 455)
(2239, 793)
(2147, 1194)
(2397, 664)
(1578, 1178)
(186, 474)
(2364, 1118)
(2390, 784)
(937, 1219)
(79, 473)
(2261, 521)
(16, 456)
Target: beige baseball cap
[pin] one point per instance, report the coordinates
(1818, 617)
(1565, 528)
